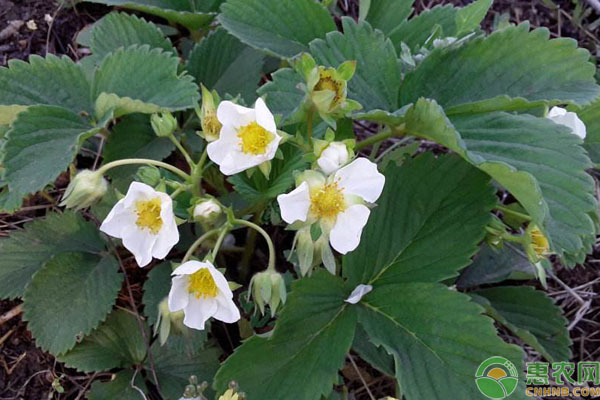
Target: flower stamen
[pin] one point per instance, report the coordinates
(327, 81)
(148, 215)
(254, 138)
(328, 201)
(202, 284)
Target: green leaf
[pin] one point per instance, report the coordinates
(79, 287)
(24, 252)
(283, 97)
(590, 115)
(141, 79)
(437, 337)
(453, 21)
(179, 359)
(118, 388)
(411, 234)
(282, 28)
(532, 316)
(496, 265)
(258, 188)
(192, 14)
(376, 356)
(133, 137)
(387, 15)
(26, 84)
(156, 289)
(311, 339)
(540, 163)
(117, 343)
(117, 30)
(501, 66)
(40, 145)
(223, 63)
(378, 75)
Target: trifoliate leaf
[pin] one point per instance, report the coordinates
(25, 84)
(193, 14)
(315, 329)
(387, 15)
(117, 343)
(40, 145)
(80, 288)
(283, 96)
(590, 115)
(117, 30)
(119, 388)
(378, 75)
(24, 252)
(532, 316)
(411, 234)
(258, 188)
(539, 162)
(496, 265)
(283, 28)
(140, 79)
(473, 77)
(133, 137)
(451, 21)
(437, 337)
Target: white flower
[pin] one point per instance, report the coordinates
(201, 291)
(333, 157)
(145, 221)
(569, 119)
(336, 202)
(207, 210)
(358, 293)
(247, 139)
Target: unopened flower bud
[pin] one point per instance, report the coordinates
(211, 126)
(148, 174)
(163, 124)
(207, 211)
(333, 157)
(268, 288)
(84, 190)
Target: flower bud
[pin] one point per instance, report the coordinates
(569, 119)
(268, 288)
(333, 157)
(211, 126)
(538, 246)
(207, 211)
(148, 174)
(168, 321)
(163, 124)
(85, 189)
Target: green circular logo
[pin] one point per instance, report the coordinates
(496, 378)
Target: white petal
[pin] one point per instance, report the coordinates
(138, 191)
(557, 112)
(226, 310)
(327, 165)
(220, 280)
(229, 113)
(361, 178)
(345, 235)
(189, 268)
(236, 162)
(264, 117)
(358, 293)
(198, 311)
(117, 219)
(179, 296)
(139, 242)
(295, 204)
(333, 157)
(228, 141)
(272, 148)
(569, 119)
(168, 236)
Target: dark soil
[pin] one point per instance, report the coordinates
(28, 373)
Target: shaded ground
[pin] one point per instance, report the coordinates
(28, 373)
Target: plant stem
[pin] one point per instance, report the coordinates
(506, 236)
(182, 150)
(198, 242)
(197, 172)
(224, 232)
(309, 124)
(383, 135)
(271, 266)
(129, 161)
(507, 210)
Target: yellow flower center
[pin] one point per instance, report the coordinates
(254, 138)
(328, 82)
(539, 242)
(148, 214)
(211, 125)
(328, 201)
(202, 284)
